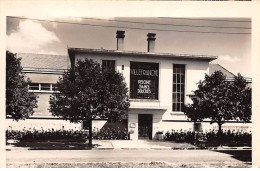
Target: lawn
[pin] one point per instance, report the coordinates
(127, 165)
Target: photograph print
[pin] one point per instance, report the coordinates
(128, 92)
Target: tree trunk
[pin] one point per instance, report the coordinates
(90, 133)
(220, 140)
(219, 127)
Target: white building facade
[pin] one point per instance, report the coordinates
(158, 84)
(158, 87)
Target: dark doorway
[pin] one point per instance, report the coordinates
(145, 126)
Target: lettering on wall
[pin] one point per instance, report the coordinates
(144, 79)
(145, 72)
(144, 86)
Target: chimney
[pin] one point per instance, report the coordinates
(151, 41)
(120, 35)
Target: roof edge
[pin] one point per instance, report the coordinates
(226, 70)
(24, 53)
(116, 52)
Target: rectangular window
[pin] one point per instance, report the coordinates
(34, 86)
(178, 87)
(45, 86)
(54, 87)
(144, 80)
(108, 65)
(41, 87)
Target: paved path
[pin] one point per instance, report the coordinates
(139, 144)
(105, 144)
(129, 151)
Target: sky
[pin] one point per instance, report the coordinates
(50, 37)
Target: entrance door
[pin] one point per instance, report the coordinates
(145, 123)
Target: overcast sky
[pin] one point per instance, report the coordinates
(234, 50)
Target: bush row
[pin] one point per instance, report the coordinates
(225, 137)
(111, 134)
(77, 135)
(50, 134)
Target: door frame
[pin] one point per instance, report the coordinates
(151, 132)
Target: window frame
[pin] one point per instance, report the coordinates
(134, 97)
(106, 66)
(178, 87)
(40, 85)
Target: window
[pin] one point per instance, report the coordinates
(45, 86)
(34, 86)
(108, 65)
(144, 79)
(54, 87)
(178, 87)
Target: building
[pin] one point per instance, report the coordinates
(229, 75)
(158, 83)
(44, 71)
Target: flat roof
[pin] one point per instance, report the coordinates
(144, 54)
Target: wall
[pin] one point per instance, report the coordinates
(205, 126)
(43, 96)
(232, 126)
(195, 71)
(43, 78)
(43, 105)
(163, 118)
(39, 124)
(49, 123)
(161, 108)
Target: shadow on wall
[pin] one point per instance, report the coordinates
(112, 131)
(120, 125)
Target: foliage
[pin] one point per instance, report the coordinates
(227, 137)
(61, 134)
(111, 134)
(19, 102)
(44, 135)
(87, 93)
(220, 100)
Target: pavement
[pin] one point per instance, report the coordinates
(154, 144)
(190, 158)
(127, 144)
(131, 153)
(140, 144)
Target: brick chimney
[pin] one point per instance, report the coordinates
(120, 35)
(151, 41)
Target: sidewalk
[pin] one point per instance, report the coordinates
(154, 144)
(14, 145)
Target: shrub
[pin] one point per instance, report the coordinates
(50, 134)
(72, 135)
(225, 138)
(111, 134)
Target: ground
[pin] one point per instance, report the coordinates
(125, 158)
(146, 154)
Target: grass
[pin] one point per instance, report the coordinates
(127, 165)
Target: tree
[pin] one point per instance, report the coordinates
(87, 93)
(220, 100)
(19, 101)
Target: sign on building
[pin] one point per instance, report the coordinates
(144, 79)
